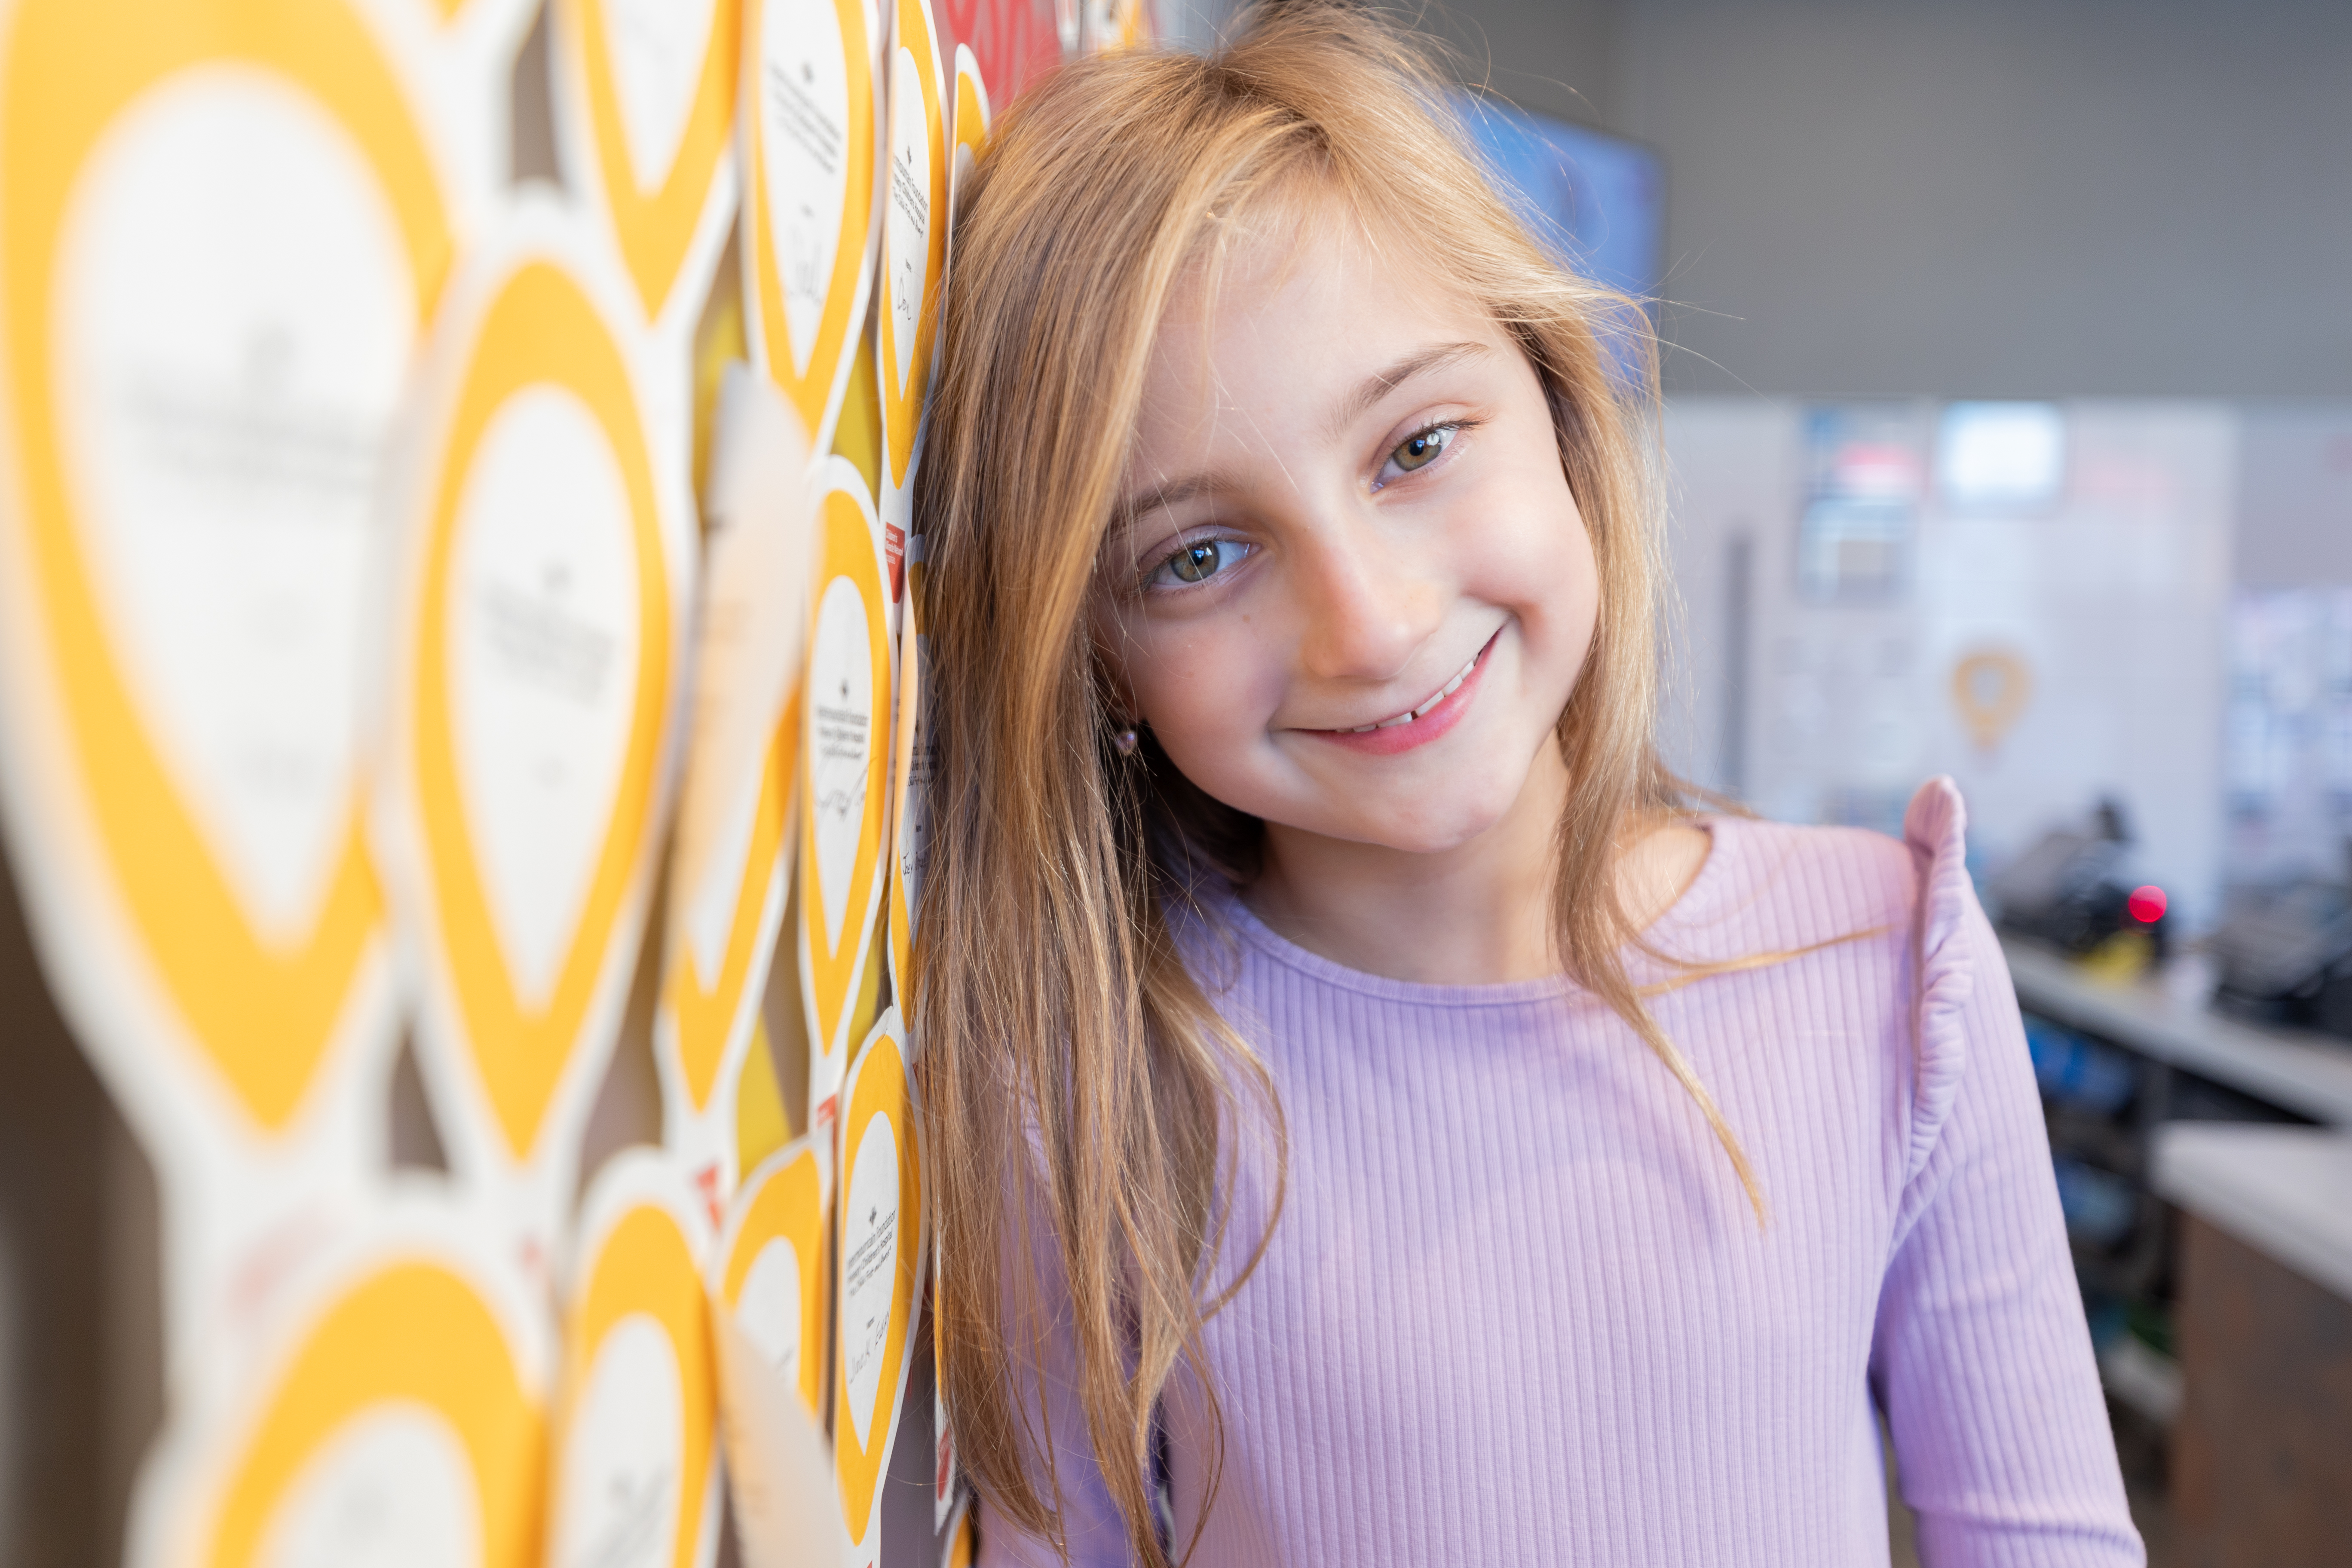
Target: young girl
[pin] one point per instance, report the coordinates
(1375, 1117)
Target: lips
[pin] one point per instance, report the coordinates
(1418, 725)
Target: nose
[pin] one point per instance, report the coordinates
(1367, 604)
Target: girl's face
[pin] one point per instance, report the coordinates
(1355, 593)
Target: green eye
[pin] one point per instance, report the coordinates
(1196, 563)
(1421, 448)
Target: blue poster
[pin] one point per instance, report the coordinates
(1599, 200)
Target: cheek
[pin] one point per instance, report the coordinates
(1208, 696)
(1575, 598)
(1202, 691)
(1545, 573)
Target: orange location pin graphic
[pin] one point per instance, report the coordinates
(1991, 688)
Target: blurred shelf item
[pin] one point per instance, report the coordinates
(2142, 1379)
(2285, 1191)
(2306, 1073)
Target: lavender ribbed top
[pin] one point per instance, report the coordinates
(1516, 1309)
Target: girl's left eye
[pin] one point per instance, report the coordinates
(1197, 561)
(1416, 452)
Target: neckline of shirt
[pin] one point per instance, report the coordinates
(1697, 904)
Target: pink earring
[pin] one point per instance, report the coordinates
(1124, 741)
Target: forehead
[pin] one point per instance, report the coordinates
(1273, 320)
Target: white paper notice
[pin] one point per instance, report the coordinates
(750, 640)
(237, 323)
(786, 1513)
(804, 105)
(543, 658)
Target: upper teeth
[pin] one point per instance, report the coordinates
(1409, 715)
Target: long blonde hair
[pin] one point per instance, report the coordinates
(1074, 1075)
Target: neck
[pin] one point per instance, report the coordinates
(1479, 913)
(1476, 913)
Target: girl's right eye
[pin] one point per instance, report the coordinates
(1197, 561)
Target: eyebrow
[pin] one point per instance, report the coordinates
(1378, 384)
(1437, 356)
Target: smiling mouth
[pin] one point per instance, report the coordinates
(1421, 710)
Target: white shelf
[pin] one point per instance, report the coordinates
(2285, 1191)
(2309, 1074)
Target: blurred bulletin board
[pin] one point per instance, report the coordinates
(1824, 664)
(2287, 742)
(2295, 496)
(2287, 746)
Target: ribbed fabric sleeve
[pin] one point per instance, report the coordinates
(1516, 1309)
(1978, 1356)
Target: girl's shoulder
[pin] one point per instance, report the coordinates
(1774, 887)
(1897, 942)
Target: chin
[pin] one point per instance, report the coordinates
(1432, 828)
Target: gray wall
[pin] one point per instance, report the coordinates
(2003, 198)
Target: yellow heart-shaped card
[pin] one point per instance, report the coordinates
(879, 1221)
(644, 93)
(534, 658)
(635, 1475)
(224, 231)
(970, 127)
(773, 1271)
(225, 228)
(400, 1420)
(914, 243)
(845, 707)
(812, 111)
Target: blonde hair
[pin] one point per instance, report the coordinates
(1074, 1072)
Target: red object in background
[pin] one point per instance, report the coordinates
(1015, 41)
(2146, 904)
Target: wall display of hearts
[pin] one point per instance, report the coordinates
(451, 633)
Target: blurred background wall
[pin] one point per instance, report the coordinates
(1990, 198)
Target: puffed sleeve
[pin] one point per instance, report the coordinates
(1980, 1356)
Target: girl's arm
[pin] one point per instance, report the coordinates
(1981, 1357)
